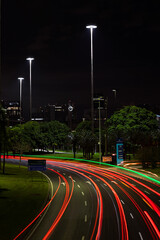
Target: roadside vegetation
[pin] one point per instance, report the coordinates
(137, 127)
(140, 132)
(22, 193)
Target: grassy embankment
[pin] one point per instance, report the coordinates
(71, 155)
(22, 196)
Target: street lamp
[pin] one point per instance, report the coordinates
(20, 79)
(115, 96)
(115, 92)
(91, 27)
(30, 63)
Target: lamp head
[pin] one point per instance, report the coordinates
(29, 58)
(91, 26)
(20, 78)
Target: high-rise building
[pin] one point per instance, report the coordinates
(99, 101)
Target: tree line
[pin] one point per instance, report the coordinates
(137, 126)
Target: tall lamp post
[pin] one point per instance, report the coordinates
(115, 96)
(30, 76)
(115, 93)
(91, 27)
(20, 79)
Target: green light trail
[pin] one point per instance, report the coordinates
(95, 162)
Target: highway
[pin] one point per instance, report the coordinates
(92, 202)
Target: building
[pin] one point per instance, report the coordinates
(65, 113)
(53, 112)
(100, 110)
(13, 112)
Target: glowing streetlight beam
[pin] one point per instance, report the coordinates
(20, 79)
(91, 27)
(30, 59)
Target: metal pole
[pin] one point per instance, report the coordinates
(20, 100)
(30, 77)
(106, 102)
(91, 27)
(30, 62)
(20, 79)
(20, 116)
(92, 106)
(100, 132)
(115, 100)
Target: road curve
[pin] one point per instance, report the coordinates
(93, 202)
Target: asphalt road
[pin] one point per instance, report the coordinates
(92, 202)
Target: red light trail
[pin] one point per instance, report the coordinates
(116, 183)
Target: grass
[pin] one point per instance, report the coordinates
(22, 196)
(71, 155)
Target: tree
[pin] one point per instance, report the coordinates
(137, 126)
(3, 135)
(74, 139)
(24, 137)
(86, 139)
(84, 125)
(33, 135)
(18, 142)
(130, 121)
(57, 134)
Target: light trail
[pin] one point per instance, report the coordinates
(124, 230)
(139, 210)
(39, 213)
(99, 211)
(153, 224)
(90, 172)
(64, 205)
(141, 194)
(147, 200)
(131, 178)
(123, 178)
(26, 157)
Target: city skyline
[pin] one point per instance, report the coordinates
(126, 51)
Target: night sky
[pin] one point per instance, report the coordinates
(126, 50)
